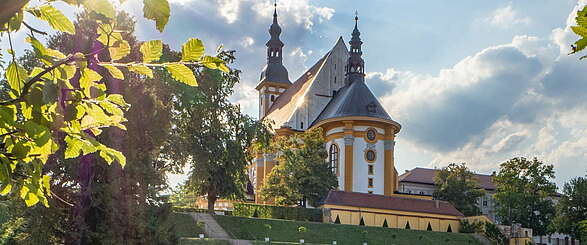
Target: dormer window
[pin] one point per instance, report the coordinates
(372, 108)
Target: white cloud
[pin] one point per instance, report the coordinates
(525, 98)
(229, 9)
(300, 11)
(507, 17)
(247, 41)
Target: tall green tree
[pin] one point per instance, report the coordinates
(571, 209)
(124, 205)
(523, 195)
(212, 136)
(456, 184)
(302, 173)
(66, 95)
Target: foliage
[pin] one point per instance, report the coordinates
(277, 212)
(583, 230)
(581, 30)
(458, 185)
(524, 188)
(301, 172)
(66, 95)
(286, 231)
(211, 135)
(571, 208)
(493, 233)
(470, 227)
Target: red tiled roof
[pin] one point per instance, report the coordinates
(426, 176)
(364, 200)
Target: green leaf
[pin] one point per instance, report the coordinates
(182, 73)
(151, 50)
(157, 10)
(117, 99)
(141, 69)
(115, 72)
(5, 189)
(47, 184)
(87, 79)
(192, 50)
(15, 22)
(119, 51)
(111, 108)
(212, 62)
(110, 154)
(103, 7)
(580, 45)
(31, 199)
(16, 76)
(75, 145)
(55, 18)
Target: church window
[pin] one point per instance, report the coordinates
(334, 158)
(371, 135)
(370, 192)
(370, 156)
(370, 183)
(302, 125)
(421, 193)
(272, 98)
(334, 93)
(334, 80)
(370, 168)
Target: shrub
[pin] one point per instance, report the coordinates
(277, 212)
(470, 227)
(494, 234)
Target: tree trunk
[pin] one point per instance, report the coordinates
(212, 196)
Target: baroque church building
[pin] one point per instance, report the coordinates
(333, 95)
(360, 136)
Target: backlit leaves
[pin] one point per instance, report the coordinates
(581, 30)
(103, 7)
(157, 10)
(54, 17)
(16, 76)
(141, 69)
(182, 73)
(151, 50)
(192, 50)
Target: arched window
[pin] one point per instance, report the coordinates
(272, 98)
(333, 159)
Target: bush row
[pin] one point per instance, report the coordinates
(197, 210)
(277, 212)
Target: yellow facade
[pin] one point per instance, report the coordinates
(395, 219)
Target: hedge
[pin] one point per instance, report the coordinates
(197, 210)
(277, 212)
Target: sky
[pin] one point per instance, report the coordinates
(470, 81)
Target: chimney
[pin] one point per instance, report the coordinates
(437, 203)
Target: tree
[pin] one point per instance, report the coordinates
(571, 209)
(301, 173)
(458, 185)
(581, 30)
(125, 206)
(524, 188)
(212, 136)
(65, 95)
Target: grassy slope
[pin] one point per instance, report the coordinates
(287, 231)
(184, 225)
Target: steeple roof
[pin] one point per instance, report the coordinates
(274, 71)
(355, 99)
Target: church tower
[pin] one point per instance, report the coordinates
(355, 69)
(274, 77)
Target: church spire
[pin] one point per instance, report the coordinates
(274, 71)
(274, 45)
(355, 69)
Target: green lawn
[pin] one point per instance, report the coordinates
(195, 241)
(184, 225)
(319, 233)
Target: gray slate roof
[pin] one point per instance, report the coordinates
(355, 99)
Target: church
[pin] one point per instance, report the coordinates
(360, 136)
